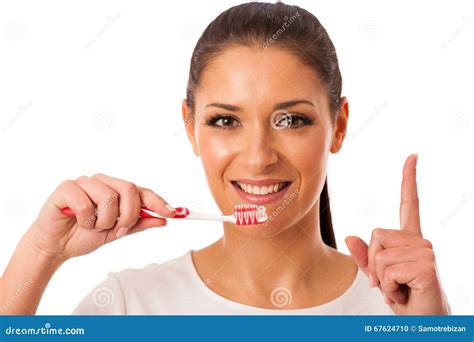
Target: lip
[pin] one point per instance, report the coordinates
(262, 182)
(261, 199)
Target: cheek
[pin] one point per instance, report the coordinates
(311, 164)
(311, 161)
(215, 155)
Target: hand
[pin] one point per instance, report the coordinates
(400, 261)
(106, 209)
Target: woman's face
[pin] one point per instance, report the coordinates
(263, 130)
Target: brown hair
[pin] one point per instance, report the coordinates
(264, 25)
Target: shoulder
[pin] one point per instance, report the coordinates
(123, 291)
(344, 266)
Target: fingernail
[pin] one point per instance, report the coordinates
(121, 232)
(169, 207)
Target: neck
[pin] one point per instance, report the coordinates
(260, 261)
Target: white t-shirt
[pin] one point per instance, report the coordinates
(175, 288)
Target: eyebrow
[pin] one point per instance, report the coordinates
(278, 106)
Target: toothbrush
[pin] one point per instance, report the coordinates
(244, 214)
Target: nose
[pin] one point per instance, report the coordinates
(259, 154)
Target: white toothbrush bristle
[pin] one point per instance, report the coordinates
(248, 214)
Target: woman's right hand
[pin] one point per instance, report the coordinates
(106, 209)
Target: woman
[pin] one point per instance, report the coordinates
(263, 110)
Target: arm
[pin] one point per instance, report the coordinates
(56, 237)
(25, 279)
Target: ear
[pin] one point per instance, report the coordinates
(189, 120)
(340, 127)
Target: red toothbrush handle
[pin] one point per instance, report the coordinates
(181, 212)
(68, 211)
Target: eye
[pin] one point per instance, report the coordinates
(291, 120)
(223, 121)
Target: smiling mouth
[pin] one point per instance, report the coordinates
(261, 190)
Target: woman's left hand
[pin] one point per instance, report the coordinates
(400, 261)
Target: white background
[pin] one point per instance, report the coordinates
(96, 86)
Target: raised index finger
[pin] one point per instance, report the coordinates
(409, 207)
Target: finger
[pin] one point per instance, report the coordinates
(149, 199)
(358, 249)
(409, 204)
(141, 225)
(106, 200)
(69, 194)
(392, 256)
(389, 238)
(156, 203)
(397, 280)
(129, 204)
(146, 223)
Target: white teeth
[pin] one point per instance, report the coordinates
(261, 190)
(256, 190)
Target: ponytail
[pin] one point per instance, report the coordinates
(325, 220)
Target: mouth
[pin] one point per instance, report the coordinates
(261, 191)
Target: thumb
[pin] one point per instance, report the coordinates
(359, 251)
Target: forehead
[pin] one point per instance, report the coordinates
(256, 76)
